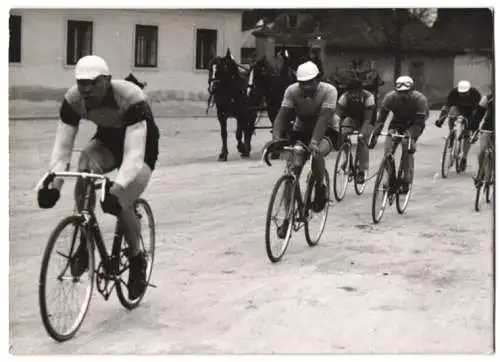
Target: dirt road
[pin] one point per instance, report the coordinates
(418, 283)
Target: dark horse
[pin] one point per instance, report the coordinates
(227, 88)
(268, 80)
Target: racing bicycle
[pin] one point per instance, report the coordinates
(111, 272)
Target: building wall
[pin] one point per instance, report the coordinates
(44, 35)
(477, 69)
(438, 72)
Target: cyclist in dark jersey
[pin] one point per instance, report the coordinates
(410, 109)
(462, 100)
(355, 109)
(126, 140)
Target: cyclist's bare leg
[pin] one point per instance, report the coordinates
(389, 146)
(128, 218)
(362, 148)
(98, 159)
(466, 144)
(408, 160)
(318, 162)
(95, 158)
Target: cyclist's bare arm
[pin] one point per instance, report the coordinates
(285, 115)
(369, 108)
(341, 106)
(480, 112)
(384, 112)
(448, 104)
(67, 128)
(134, 144)
(421, 115)
(326, 114)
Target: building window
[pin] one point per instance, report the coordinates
(15, 39)
(292, 20)
(247, 55)
(206, 47)
(146, 46)
(79, 41)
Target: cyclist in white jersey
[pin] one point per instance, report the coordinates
(126, 139)
(313, 103)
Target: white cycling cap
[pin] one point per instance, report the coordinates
(404, 83)
(90, 67)
(463, 86)
(307, 71)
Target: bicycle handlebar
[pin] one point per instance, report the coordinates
(49, 177)
(297, 147)
(394, 135)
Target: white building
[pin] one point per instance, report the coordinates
(167, 48)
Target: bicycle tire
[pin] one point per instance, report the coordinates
(478, 197)
(121, 291)
(377, 217)
(490, 186)
(444, 167)
(358, 187)
(44, 312)
(401, 207)
(310, 185)
(344, 150)
(481, 186)
(283, 179)
(460, 146)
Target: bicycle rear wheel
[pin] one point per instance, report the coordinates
(381, 190)
(65, 330)
(341, 172)
(146, 218)
(314, 240)
(284, 188)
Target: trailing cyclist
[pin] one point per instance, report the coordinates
(486, 110)
(313, 102)
(126, 140)
(462, 100)
(355, 110)
(410, 110)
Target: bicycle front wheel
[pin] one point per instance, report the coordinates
(341, 173)
(282, 202)
(148, 239)
(63, 320)
(321, 216)
(447, 157)
(381, 192)
(402, 200)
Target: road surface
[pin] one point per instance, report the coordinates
(418, 283)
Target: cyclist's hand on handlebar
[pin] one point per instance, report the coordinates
(439, 122)
(276, 144)
(474, 137)
(47, 198)
(314, 148)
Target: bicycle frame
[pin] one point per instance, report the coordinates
(390, 156)
(298, 149)
(110, 262)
